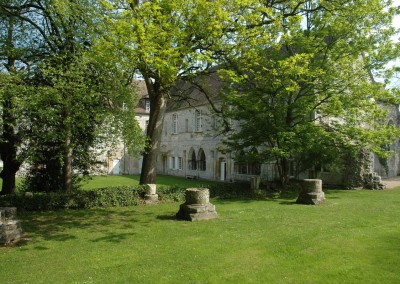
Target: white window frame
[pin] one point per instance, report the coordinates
(180, 163)
(198, 121)
(175, 163)
(147, 105)
(174, 123)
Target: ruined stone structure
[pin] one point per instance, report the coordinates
(311, 192)
(10, 227)
(197, 205)
(150, 195)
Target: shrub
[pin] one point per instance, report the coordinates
(231, 190)
(102, 197)
(174, 193)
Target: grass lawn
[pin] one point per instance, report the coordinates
(106, 181)
(352, 238)
(119, 180)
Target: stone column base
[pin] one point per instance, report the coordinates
(10, 227)
(311, 192)
(151, 198)
(194, 212)
(311, 198)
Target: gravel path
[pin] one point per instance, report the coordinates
(391, 182)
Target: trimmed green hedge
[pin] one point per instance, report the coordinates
(115, 197)
(102, 197)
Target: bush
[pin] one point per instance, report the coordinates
(174, 193)
(231, 190)
(102, 197)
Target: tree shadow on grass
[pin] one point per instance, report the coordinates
(66, 225)
(113, 238)
(171, 217)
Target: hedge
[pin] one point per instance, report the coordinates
(102, 197)
(115, 197)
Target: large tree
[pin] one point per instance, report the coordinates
(18, 48)
(72, 91)
(167, 41)
(307, 92)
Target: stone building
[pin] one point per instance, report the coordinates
(117, 161)
(192, 141)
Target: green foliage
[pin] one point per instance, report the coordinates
(305, 92)
(103, 197)
(174, 193)
(73, 100)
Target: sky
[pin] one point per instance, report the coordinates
(396, 23)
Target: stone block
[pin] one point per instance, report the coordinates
(150, 188)
(151, 198)
(311, 192)
(197, 196)
(10, 227)
(255, 182)
(197, 206)
(197, 212)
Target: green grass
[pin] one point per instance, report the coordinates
(352, 238)
(121, 180)
(107, 181)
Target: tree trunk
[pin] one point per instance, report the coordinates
(10, 141)
(8, 149)
(283, 169)
(67, 165)
(158, 104)
(67, 170)
(8, 155)
(8, 176)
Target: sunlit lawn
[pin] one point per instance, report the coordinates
(352, 238)
(129, 180)
(117, 180)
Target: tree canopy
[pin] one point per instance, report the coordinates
(70, 94)
(306, 91)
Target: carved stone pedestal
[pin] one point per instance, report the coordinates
(197, 206)
(311, 192)
(150, 195)
(10, 227)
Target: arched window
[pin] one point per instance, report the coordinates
(202, 160)
(192, 163)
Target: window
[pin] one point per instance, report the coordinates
(174, 123)
(172, 164)
(198, 121)
(147, 105)
(187, 125)
(245, 165)
(146, 126)
(180, 161)
(202, 160)
(192, 163)
(175, 163)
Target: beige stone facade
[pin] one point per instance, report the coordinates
(192, 146)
